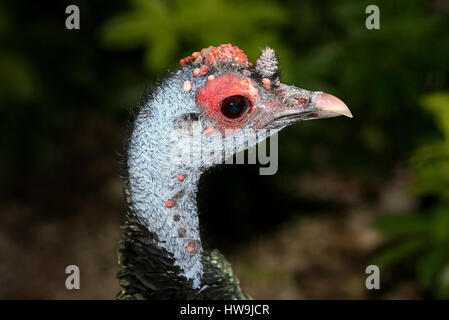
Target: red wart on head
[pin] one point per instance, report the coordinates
(212, 55)
(267, 83)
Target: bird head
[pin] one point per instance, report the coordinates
(232, 95)
(206, 111)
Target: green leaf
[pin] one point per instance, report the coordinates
(18, 79)
(440, 224)
(398, 253)
(438, 104)
(403, 225)
(431, 263)
(443, 283)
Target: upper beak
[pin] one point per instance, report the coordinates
(329, 106)
(299, 105)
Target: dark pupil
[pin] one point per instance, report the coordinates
(233, 107)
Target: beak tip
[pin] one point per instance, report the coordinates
(332, 106)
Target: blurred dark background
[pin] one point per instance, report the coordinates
(348, 193)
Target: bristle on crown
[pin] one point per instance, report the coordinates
(212, 55)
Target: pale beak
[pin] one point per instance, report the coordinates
(330, 106)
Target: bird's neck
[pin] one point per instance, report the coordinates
(163, 193)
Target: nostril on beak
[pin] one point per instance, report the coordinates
(329, 104)
(302, 100)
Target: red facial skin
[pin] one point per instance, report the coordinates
(211, 96)
(218, 88)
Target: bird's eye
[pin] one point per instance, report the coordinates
(234, 106)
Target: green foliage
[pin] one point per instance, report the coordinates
(18, 80)
(162, 27)
(424, 238)
(432, 160)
